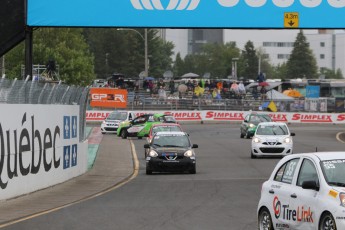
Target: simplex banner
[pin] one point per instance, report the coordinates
(39, 147)
(232, 116)
(187, 13)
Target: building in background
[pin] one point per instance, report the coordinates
(328, 46)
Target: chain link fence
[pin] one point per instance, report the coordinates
(34, 92)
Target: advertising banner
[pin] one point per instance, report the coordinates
(39, 147)
(108, 98)
(312, 91)
(233, 116)
(188, 13)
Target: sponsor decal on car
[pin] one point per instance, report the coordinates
(284, 212)
(333, 193)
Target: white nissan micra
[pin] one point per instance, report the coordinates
(305, 191)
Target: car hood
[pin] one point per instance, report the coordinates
(171, 150)
(113, 121)
(271, 138)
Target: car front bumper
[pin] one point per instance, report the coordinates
(109, 128)
(159, 164)
(259, 149)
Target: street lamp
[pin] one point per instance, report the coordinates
(146, 48)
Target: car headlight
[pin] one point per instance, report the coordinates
(256, 140)
(153, 153)
(189, 153)
(342, 199)
(251, 125)
(287, 140)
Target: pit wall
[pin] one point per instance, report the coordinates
(231, 116)
(39, 147)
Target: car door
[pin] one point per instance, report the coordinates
(304, 202)
(137, 125)
(244, 125)
(279, 193)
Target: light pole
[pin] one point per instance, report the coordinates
(146, 48)
(234, 67)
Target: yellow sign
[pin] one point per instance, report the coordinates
(291, 20)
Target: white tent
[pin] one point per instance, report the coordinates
(190, 75)
(275, 95)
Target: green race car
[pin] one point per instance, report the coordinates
(140, 126)
(250, 123)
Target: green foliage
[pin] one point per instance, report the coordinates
(330, 74)
(65, 46)
(123, 51)
(249, 62)
(302, 63)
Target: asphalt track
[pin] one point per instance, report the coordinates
(222, 195)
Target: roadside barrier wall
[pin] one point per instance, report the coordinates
(230, 116)
(42, 137)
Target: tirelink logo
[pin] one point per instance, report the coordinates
(193, 4)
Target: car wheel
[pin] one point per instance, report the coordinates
(247, 135)
(148, 171)
(265, 220)
(192, 170)
(242, 135)
(252, 155)
(327, 222)
(124, 134)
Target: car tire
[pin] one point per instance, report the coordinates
(124, 134)
(148, 171)
(265, 220)
(327, 222)
(252, 155)
(193, 170)
(242, 135)
(247, 136)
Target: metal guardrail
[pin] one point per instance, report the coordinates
(34, 92)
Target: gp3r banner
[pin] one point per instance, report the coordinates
(187, 13)
(108, 98)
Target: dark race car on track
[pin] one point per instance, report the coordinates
(250, 122)
(170, 152)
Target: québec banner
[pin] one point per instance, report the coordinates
(188, 13)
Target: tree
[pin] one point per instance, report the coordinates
(65, 46)
(302, 63)
(330, 74)
(248, 63)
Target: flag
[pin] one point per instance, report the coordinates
(271, 106)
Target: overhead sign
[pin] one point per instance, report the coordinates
(187, 13)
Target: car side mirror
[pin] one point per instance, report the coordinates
(292, 134)
(194, 146)
(146, 146)
(310, 184)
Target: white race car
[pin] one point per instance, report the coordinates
(111, 123)
(272, 139)
(305, 191)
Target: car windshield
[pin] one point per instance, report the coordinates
(156, 129)
(272, 130)
(334, 171)
(117, 116)
(256, 119)
(171, 141)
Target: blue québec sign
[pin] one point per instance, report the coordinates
(70, 152)
(186, 13)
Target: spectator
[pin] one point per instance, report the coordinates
(261, 77)
(190, 85)
(207, 84)
(162, 94)
(160, 83)
(150, 86)
(241, 88)
(172, 87)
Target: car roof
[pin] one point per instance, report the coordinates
(174, 133)
(321, 156)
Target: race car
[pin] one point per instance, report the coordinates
(111, 123)
(272, 139)
(170, 152)
(305, 191)
(140, 126)
(248, 126)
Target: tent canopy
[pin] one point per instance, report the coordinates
(275, 95)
